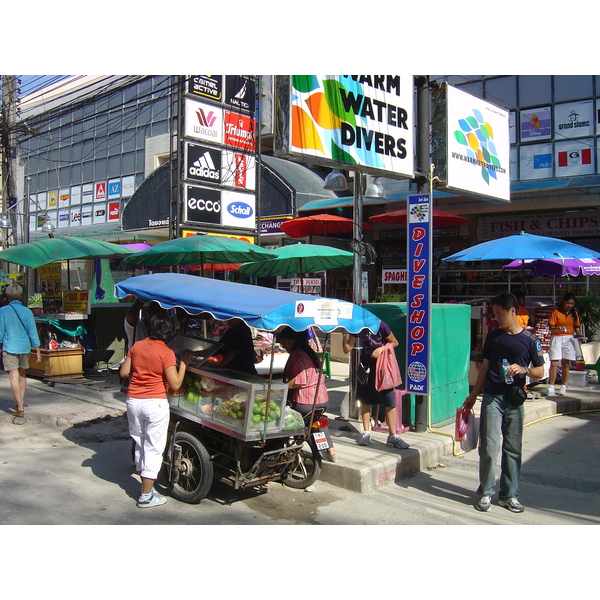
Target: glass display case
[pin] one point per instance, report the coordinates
(237, 403)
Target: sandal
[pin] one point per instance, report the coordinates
(19, 413)
(18, 417)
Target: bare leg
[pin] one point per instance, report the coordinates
(552, 373)
(365, 413)
(147, 485)
(565, 371)
(18, 384)
(390, 419)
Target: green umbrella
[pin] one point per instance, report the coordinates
(198, 249)
(68, 247)
(299, 258)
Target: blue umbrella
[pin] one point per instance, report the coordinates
(522, 246)
(260, 307)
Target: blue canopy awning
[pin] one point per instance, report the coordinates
(260, 307)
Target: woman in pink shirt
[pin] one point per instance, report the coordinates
(302, 373)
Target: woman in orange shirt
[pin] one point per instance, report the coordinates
(564, 323)
(150, 363)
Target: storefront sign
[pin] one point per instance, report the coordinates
(560, 224)
(339, 120)
(76, 301)
(238, 170)
(245, 238)
(419, 295)
(238, 209)
(100, 191)
(269, 226)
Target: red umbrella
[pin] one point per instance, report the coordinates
(318, 225)
(440, 218)
(216, 267)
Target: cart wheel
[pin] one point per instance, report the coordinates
(196, 474)
(306, 469)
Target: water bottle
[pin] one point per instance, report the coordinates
(507, 378)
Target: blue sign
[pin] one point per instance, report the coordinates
(419, 294)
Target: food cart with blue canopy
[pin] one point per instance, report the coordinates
(229, 425)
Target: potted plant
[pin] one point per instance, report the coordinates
(588, 308)
(34, 302)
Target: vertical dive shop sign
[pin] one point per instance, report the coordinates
(351, 121)
(418, 294)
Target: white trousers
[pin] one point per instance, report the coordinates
(148, 420)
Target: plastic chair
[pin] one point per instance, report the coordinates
(591, 353)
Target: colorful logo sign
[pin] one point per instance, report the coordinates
(240, 131)
(477, 135)
(203, 121)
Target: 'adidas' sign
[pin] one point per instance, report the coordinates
(205, 167)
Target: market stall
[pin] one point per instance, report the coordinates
(227, 424)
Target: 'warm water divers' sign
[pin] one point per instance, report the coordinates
(418, 294)
(342, 120)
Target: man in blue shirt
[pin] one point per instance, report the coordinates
(502, 420)
(18, 336)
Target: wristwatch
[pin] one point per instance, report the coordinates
(526, 371)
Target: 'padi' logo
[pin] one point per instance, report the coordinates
(240, 209)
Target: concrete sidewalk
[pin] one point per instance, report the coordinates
(358, 468)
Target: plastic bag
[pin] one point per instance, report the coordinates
(387, 371)
(462, 420)
(471, 439)
(292, 419)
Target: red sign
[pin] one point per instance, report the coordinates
(100, 193)
(240, 131)
(113, 211)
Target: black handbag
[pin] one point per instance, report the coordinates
(515, 395)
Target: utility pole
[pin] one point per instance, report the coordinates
(8, 148)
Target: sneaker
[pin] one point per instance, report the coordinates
(155, 500)
(365, 439)
(563, 390)
(512, 504)
(551, 391)
(395, 441)
(484, 503)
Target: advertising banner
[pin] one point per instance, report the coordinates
(536, 124)
(471, 147)
(348, 120)
(238, 170)
(206, 86)
(574, 157)
(240, 92)
(202, 163)
(574, 119)
(202, 205)
(418, 294)
(238, 209)
(239, 131)
(203, 121)
(536, 161)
